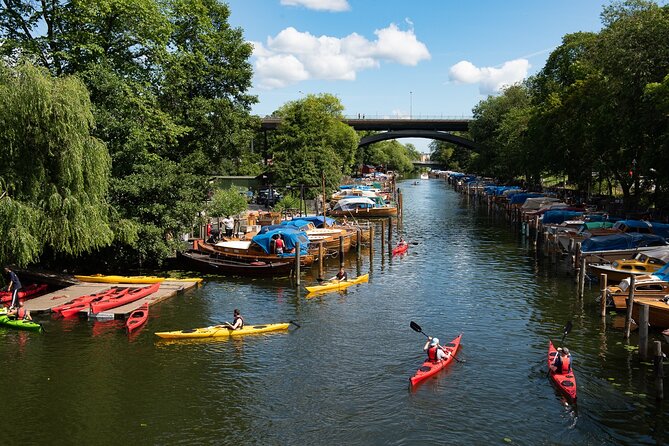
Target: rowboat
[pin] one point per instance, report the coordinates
(137, 318)
(218, 331)
(20, 324)
(566, 384)
(24, 293)
(400, 249)
(133, 294)
(335, 285)
(430, 368)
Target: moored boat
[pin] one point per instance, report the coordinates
(335, 285)
(361, 207)
(212, 264)
(133, 294)
(566, 383)
(430, 368)
(218, 331)
(137, 318)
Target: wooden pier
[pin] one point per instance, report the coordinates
(44, 303)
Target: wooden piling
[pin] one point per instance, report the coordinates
(341, 251)
(297, 263)
(659, 371)
(390, 232)
(581, 284)
(603, 278)
(321, 253)
(371, 245)
(383, 238)
(643, 332)
(630, 304)
(358, 234)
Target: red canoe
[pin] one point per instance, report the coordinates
(134, 294)
(400, 249)
(430, 368)
(565, 383)
(137, 318)
(25, 293)
(83, 302)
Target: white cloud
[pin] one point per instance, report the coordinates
(331, 58)
(490, 79)
(320, 5)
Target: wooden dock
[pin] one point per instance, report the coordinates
(44, 303)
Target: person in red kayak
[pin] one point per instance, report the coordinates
(434, 351)
(402, 242)
(237, 322)
(562, 362)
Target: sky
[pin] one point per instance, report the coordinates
(401, 59)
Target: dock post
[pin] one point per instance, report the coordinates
(643, 332)
(630, 304)
(659, 371)
(400, 207)
(341, 251)
(383, 238)
(358, 235)
(603, 285)
(297, 263)
(371, 245)
(321, 253)
(390, 232)
(581, 283)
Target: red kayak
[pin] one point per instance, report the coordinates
(430, 368)
(134, 294)
(24, 293)
(137, 318)
(565, 383)
(400, 249)
(83, 302)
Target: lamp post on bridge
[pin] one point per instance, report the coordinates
(411, 105)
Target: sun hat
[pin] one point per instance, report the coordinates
(565, 350)
(434, 341)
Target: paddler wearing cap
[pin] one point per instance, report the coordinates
(562, 362)
(435, 352)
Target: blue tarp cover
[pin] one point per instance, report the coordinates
(663, 273)
(521, 197)
(628, 240)
(637, 224)
(661, 229)
(290, 236)
(317, 220)
(559, 216)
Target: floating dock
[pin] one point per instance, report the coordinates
(44, 303)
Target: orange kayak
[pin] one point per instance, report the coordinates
(430, 368)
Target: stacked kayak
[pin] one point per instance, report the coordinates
(430, 368)
(100, 278)
(566, 383)
(335, 285)
(20, 324)
(137, 318)
(131, 295)
(218, 331)
(82, 303)
(400, 249)
(24, 293)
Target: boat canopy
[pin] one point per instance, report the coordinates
(290, 236)
(317, 220)
(625, 240)
(350, 204)
(559, 216)
(595, 225)
(633, 226)
(536, 203)
(662, 273)
(661, 229)
(661, 253)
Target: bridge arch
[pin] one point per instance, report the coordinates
(430, 134)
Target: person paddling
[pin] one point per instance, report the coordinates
(435, 352)
(341, 275)
(237, 322)
(562, 362)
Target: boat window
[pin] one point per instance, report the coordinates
(649, 287)
(626, 267)
(641, 268)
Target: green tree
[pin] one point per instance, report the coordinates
(54, 176)
(226, 202)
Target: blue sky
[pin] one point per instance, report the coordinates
(392, 58)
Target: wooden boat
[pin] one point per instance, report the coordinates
(213, 264)
(335, 285)
(217, 331)
(133, 294)
(658, 311)
(644, 287)
(244, 251)
(646, 262)
(361, 207)
(28, 292)
(137, 318)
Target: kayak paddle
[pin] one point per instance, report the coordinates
(565, 332)
(415, 327)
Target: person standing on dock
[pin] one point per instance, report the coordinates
(14, 286)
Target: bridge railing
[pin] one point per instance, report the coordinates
(412, 117)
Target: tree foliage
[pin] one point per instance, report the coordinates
(227, 202)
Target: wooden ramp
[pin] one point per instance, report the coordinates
(43, 304)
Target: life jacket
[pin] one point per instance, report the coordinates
(21, 313)
(432, 353)
(342, 276)
(235, 321)
(565, 365)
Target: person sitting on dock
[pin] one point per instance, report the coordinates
(19, 313)
(14, 286)
(434, 351)
(237, 322)
(562, 362)
(341, 275)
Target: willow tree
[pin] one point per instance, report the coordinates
(54, 175)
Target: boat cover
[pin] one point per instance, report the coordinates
(289, 234)
(661, 229)
(662, 273)
(559, 216)
(628, 240)
(317, 220)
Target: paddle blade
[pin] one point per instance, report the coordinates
(567, 328)
(415, 327)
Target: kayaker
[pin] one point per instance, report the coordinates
(14, 286)
(401, 242)
(20, 313)
(237, 322)
(341, 275)
(434, 351)
(562, 361)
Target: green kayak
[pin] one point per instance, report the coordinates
(20, 324)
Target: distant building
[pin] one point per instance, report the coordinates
(424, 157)
(366, 168)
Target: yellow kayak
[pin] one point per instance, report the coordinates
(218, 331)
(101, 278)
(335, 285)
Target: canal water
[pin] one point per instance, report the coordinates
(342, 377)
